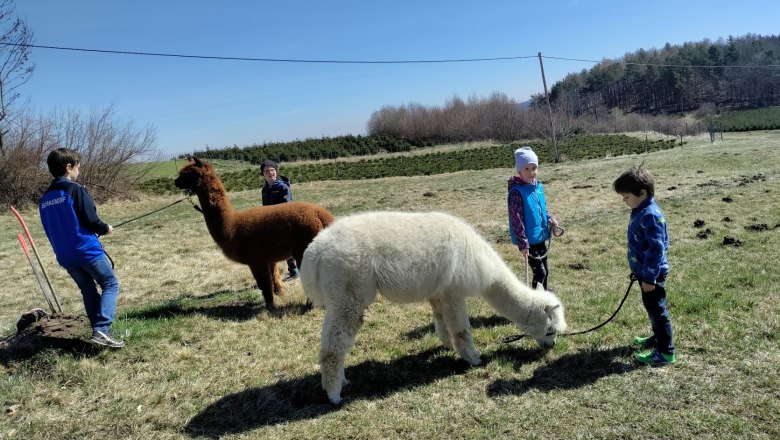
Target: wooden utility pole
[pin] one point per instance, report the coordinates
(556, 156)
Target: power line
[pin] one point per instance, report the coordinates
(270, 60)
(456, 60)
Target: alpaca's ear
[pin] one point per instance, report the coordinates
(197, 161)
(549, 308)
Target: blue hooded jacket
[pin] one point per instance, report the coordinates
(70, 219)
(534, 213)
(648, 242)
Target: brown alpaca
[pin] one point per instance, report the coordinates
(258, 237)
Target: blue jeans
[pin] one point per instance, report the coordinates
(655, 304)
(100, 308)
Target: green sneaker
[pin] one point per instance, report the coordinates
(644, 342)
(655, 358)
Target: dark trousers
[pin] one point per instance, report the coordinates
(537, 259)
(292, 267)
(655, 304)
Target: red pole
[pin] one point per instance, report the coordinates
(37, 257)
(35, 272)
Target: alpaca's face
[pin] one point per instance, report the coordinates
(555, 324)
(190, 176)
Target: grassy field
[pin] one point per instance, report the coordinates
(204, 358)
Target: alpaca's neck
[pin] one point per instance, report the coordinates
(217, 209)
(510, 297)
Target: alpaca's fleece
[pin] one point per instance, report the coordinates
(410, 257)
(258, 237)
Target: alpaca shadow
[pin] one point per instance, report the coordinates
(236, 310)
(568, 372)
(303, 398)
(476, 322)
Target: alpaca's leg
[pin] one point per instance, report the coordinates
(275, 279)
(455, 316)
(438, 321)
(262, 275)
(341, 325)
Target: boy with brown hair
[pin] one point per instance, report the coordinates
(648, 242)
(70, 219)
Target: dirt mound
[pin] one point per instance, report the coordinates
(67, 332)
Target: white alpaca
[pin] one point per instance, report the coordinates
(411, 257)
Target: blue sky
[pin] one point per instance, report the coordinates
(195, 103)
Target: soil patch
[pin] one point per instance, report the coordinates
(704, 234)
(757, 227)
(698, 223)
(731, 241)
(65, 332)
(744, 180)
(578, 266)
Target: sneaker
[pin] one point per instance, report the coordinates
(106, 339)
(655, 358)
(643, 342)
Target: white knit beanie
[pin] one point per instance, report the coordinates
(524, 156)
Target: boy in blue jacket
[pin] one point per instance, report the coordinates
(648, 243)
(70, 219)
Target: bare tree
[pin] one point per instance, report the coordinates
(15, 64)
(110, 150)
(107, 147)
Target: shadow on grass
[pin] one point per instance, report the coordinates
(303, 398)
(567, 372)
(476, 322)
(228, 309)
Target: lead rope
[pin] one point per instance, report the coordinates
(189, 198)
(514, 338)
(555, 231)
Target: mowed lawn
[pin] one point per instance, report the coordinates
(205, 359)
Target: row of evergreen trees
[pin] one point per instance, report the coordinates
(314, 149)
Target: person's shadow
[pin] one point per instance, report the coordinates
(567, 372)
(304, 398)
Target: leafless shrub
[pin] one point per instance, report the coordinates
(501, 118)
(107, 147)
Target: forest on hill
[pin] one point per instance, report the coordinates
(736, 73)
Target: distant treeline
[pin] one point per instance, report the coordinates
(738, 73)
(575, 148)
(315, 149)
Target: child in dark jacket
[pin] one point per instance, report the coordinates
(276, 189)
(70, 219)
(648, 242)
(529, 220)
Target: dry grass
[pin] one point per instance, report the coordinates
(203, 358)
